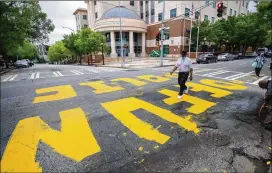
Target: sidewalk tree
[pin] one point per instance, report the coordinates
(89, 42)
(58, 52)
(264, 11)
(21, 20)
(25, 51)
(69, 43)
(204, 32)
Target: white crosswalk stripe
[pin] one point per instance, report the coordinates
(76, 72)
(201, 70)
(241, 76)
(13, 77)
(257, 81)
(108, 69)
(219, 73)
(229, 77)
(58, 72)
(56, 75)
(37, 75)
(32, 76)
(215, 73)
(6, 79)
(94, 71)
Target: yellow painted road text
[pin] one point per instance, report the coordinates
(62, 92)
(75, 141)
(122, 110)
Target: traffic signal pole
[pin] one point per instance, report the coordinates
(162, 34)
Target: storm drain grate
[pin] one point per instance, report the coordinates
(214, 138)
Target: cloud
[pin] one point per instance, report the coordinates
(61, 13)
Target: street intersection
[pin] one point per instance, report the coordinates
(91, 119)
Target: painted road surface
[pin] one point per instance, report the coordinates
(131, 120)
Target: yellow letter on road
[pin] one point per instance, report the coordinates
(100, 87)
(217, 93)
(130, 80)
(122, 110)
(63, 92)
(199, 105)
(75, 141)
(223, 84)
(153, 78)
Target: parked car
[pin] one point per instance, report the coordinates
(263, 50)
(30, 63)
(225, 57)
(206, 58)
(21, 63)
(235, 56)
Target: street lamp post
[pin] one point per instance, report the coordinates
(121, 37)
(204, 44)
(68, 28)
(103, 54)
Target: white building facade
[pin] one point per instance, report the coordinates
(177, 15)
(81, 17)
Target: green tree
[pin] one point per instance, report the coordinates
(25, 51)
(21, 20)
(69, 43)
(204, 31)
(264, 11)
(89, 42)
(234, 32)
(58, 52)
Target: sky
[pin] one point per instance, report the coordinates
(61, 13)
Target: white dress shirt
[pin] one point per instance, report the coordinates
(184, 64)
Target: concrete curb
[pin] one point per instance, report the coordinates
(137, 67)
(5, 71)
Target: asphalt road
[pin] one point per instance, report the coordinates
(95, 119)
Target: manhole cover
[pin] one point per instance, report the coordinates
(214, 138)
(132, 70)
(93, 79)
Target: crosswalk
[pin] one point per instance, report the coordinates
(221, 73)
(53, 74)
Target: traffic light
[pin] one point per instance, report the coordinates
(158, 36)
(220, 9)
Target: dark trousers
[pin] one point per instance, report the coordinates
(182, 78)
(257, 71)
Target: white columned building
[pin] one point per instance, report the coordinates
(131, 44)
(143, 54)
(133, 32)
(113, 52)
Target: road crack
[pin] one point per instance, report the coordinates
(118, 159)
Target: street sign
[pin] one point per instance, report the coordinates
(163, 37)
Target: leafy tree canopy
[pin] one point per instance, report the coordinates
(25, 51)
(22, 20)
(58, 52)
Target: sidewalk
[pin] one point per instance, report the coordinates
(4, 70)
(142, 63)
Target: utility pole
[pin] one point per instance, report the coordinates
(191, 16)
(121, 37)
(162, 33)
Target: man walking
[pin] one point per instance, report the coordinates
(184, 65)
